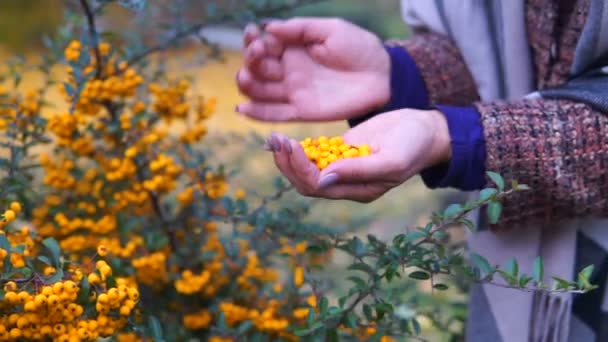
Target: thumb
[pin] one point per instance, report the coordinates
(357, 170)
(302, 30)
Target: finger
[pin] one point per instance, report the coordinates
(268, 111)
(307, 172)
(274, 47)
(375, 167)
(254, 53)
(252, 32)
(281, 159)
(268, 69)
(302, 30)
(363, 193)
(260, 90)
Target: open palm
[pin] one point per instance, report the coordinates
(313, 70)
(404, 142)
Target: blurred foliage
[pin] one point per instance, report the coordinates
(23, 23)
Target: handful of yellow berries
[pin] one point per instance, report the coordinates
(324, 151)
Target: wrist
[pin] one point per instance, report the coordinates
(441, 147)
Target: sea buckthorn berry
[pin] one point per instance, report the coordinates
(102, 250)
(9, 215)
(16, 207)
(10, 286)
(324, 151)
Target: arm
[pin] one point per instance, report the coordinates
(445, 74)
(426, 70)
(558, 147)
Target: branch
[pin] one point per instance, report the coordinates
(93, 35)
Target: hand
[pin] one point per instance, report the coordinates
(403, 142)
(310, 69)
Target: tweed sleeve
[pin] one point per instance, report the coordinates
(557, 147)
(445, 74)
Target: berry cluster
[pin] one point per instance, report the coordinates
(324, 151)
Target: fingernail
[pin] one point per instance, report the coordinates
(268, 145)
(264, 23)
(327, 180)
(236, 109)
(237, 75)
(275, 142)
(287, 145)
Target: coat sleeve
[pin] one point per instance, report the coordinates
(557, 147)
(445, 74)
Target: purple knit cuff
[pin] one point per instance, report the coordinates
(466, 169)
(407, 86)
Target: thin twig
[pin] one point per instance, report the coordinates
(93, 35)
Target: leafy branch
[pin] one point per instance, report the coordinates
(422, 255)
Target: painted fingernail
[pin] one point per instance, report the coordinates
(287, 145)
(268, 145)
(328, 180)
(237, 109)
(275, 142)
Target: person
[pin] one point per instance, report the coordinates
(517, 87)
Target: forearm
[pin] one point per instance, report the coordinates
(446, 77)
(426, 70)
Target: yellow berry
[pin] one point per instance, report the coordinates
(16, 207)
(9, 215)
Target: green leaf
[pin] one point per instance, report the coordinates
(156, 330)
(469, 224)
(359, 283)
(83, 292)
(416, 326)
(367, 311)
(512, 268)
(419, 275)
(487, 194)
(496, 179)
(4, 243)
(382, 309)
(244, 327)
(305, 332)
(53, 248)
(583, 278)
(494, 210)
(351, 320)
(587, 271)
(538, 270)
(453, 210)
(440, 287)
(561, 284)
(55, 277)
(323, 304)
(524, 280)
(415, 235)
(482, 263)
(44, 259)
(509, 278)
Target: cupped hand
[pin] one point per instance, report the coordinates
(310, 69)
(403, 142)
